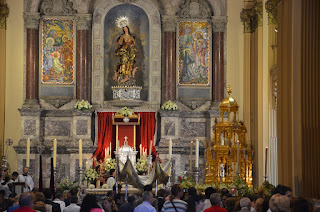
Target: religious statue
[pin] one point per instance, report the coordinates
(126, 52)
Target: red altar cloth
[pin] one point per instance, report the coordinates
(107, 133)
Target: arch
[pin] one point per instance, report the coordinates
(99, 14)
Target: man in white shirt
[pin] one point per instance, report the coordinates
(27, 179)
(111, 180)
(59, 199)
(73, 207)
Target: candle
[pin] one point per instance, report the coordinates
(170, 149)
(105, 153)
(266, 163)
(110, 151)
(197, 154)
(80, 153)
(28, 153)
(150, 151)
(191, 154)
(87, 165)
(238, 157)
(141, 152)
(55, 153)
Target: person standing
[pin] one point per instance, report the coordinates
(215, 202)
(146, 205)
(175, 203)
(27, 179)
(25, 202)
(111, 180)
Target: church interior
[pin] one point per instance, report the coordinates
(212, 89)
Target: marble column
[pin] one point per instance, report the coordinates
(32, 60)
(218, 27)
(83, 23)
(168, 85)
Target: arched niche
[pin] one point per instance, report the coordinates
(98, 52)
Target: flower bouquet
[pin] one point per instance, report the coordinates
(125, 111)
(169, 106)
(142, 165)
(90, 175)
(67, 184)
(110, 164)
(82, 105)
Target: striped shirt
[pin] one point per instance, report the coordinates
(181, 206)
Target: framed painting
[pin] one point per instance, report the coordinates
(57, 51)
(194, 57)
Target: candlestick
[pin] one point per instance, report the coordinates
(55, 153)
(80, 153)
(266, 164)
(150, 150)
(28, 153)
(238, 157)
(197, 154)
(191, 154)
(170, 149)
(117, 146)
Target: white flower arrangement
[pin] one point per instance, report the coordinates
(90, 174)
(169, 106)
(82, 105)
(67, 184)
(142, 165)
(125, 111)
(91, 186)
(110, 164)
(104, 186)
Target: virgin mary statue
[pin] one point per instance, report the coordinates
(126, 52)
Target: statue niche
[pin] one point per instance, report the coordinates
(126, 50)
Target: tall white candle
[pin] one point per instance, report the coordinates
(141, 152)
(197, 154)
(150, 150)
(28, 153)
(170, 149)
(55, 153)
(80, 153)
(191, 154)
(110, 153)
(105, 153)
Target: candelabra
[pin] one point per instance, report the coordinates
(80, 175)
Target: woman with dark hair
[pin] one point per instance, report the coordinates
(175, 203)
(89, 204)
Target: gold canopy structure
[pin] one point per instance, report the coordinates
(228, 154)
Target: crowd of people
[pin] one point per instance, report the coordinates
(175, 199)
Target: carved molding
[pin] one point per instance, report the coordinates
(169, 23)
(197, 9)
(4, 12)
(31, 20)
(127, 1)
(57, 7)
(219, 23)
(83, 21)
(252, 17)
(272, 10)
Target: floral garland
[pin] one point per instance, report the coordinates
(67, 184)
(169, 106)
(142, 165)
(90, 175)
(125, 111)
(82, 105)
(110, 164)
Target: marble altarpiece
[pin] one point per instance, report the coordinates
(48, 113)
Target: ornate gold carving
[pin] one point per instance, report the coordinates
(272, 10)
(4, 12)
(246, 19)
(228, 154)
(252, 18)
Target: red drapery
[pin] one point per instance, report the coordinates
(106, 133)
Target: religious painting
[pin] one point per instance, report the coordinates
(126, 49)
(57, 51)
(193, 53)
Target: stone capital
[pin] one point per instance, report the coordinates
(169, 23)
(219, 23)
(31, 20)
(272, 10)
(83, 21)
(4, 12)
